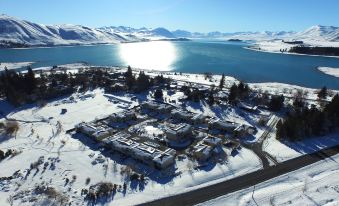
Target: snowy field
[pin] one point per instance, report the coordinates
(42, 136)
(275, 88)
(283, 151)
(316, 184)
(14, 65)
(330, 71)
(276, 46)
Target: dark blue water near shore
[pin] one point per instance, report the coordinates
(193, 57)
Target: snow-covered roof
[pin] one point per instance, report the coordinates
(181, 114)
(123, 115)
(178, 128)
(199, 116)
(202, 149)
(211, 140)
(223, 124)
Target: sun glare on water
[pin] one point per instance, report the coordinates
(149, 55)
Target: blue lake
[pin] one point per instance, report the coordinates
(193, 57)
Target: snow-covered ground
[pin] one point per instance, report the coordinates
(288, 90)
(283, 151)
(277, 46)
(330, 71)
(42, 133)
(14, 65)
(316, 184)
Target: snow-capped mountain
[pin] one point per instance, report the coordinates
(266, 35)
(315, 33)
(142, 33)
(24, 32)
(319, 33)
(16, 32)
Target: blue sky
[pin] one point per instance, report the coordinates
(192, 15)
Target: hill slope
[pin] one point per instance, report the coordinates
(15, 32)
(32, 34)
(142, 33)
(319, 33)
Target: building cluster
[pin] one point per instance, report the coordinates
(180, 127)
(147, 154)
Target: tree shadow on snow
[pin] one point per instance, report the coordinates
(311, 145)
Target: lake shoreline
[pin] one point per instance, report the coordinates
(329, 71)
(288, 53)
(188, 57)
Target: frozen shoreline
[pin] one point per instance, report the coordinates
(14, 65)
(287, 53)
(329, 71)
(281, 47)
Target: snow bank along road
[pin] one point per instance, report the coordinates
(245, 181)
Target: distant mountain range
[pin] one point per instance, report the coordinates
(15, 32)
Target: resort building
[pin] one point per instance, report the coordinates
(212, 141)
(182, 115)
(157, 107)
(221, 125)
(123, 116)
(95, 131)
(202, 151)
(178, 132)
(141, 152)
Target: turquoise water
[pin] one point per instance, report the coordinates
(193, 57)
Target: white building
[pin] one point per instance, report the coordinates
(92, 130)
(178, 132)
(156, 107)
(123, 116)
(202, 151)
(221, 125)
(244, 130)
(212, 141)
(141, 152)
(182, 115)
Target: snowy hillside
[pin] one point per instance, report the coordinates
(314, 33)
(15, 32)
(255, 36)
(142, 33)
(32, 34)
(323, 33)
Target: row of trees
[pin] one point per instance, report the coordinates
(238, 92)
(306, 122)
(143, 82)
(16, 86)
(20, 88)
(330, 51)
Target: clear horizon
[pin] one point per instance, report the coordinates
(194, 16)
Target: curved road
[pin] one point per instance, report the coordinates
(245, 181)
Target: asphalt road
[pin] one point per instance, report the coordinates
(245, 181)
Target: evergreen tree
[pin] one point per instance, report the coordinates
(280, 130)
(322, 94)
(211, 98)
(30, 80)
(233, 96)
(276, 102)
(158, 94)
(222, 82)
(143, 82)
(129, 78)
